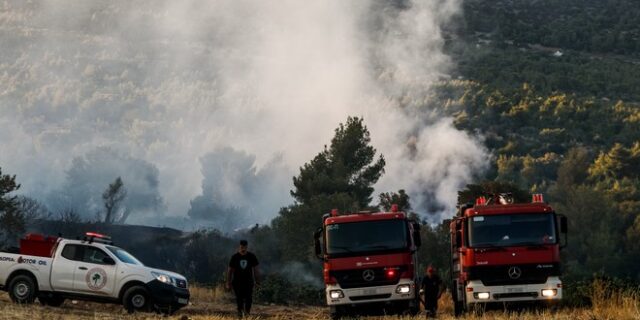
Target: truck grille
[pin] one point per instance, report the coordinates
(355, 278)
(515, 295)
(372, 297)
(500, 275)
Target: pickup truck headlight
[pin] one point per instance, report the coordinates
(164, 278)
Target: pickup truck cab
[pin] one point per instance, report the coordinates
(53, 269)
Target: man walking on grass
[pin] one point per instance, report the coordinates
(241, 276)
(433, 288)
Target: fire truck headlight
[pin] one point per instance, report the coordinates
(336, 294)
(549, 293)
(405, 288)
(482, 295)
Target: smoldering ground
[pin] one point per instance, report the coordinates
(224, 100)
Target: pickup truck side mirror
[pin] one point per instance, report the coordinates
(108, 260)
(317, 246)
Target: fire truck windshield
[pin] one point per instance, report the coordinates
(512, 230)
(366, 237)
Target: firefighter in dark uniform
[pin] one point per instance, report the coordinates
(433, 288)
(242, 275)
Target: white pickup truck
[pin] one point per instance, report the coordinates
(54, 269)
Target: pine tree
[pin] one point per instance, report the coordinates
(113, 197)
(341, 176)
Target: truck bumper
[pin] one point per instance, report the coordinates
(168, 296)
(404, 291)
(476, 292)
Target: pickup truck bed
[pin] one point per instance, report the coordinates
(53, 269)
(40, 267)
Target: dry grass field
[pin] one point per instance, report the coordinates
(215, 304)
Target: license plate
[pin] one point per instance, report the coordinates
(514, 290)
(183, 301)
(368, 292)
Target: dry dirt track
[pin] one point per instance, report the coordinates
(212, 305)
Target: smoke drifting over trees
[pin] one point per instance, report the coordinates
(170, 86)
(234, 193)
(92, 173)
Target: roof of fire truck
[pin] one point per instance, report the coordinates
(488, 207)
(336, 217)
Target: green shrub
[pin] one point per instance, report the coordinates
(278, 290)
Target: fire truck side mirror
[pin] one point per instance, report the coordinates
(317, 246)
(564, 228)
(458, 239)
(417, 239)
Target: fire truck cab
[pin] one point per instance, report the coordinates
(506, 252)
(369, 261)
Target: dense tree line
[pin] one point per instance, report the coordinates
(507, 68)
(603, 26)
(591, 48)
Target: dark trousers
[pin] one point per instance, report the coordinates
(244, 296)
(431, 305)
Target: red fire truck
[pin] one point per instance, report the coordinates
(505, 252)
(370, 262)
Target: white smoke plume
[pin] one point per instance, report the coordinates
(173, 82)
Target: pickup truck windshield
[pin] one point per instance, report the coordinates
(124, 256)
(512, 230)
(366, 237)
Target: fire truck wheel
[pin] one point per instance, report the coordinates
(458, 308)
(137, 298)
(335, 313)
(458, 305)
(477, 309)
(22, 289)
(414, 308)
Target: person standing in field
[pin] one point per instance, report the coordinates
(433, 288)
(242, 275)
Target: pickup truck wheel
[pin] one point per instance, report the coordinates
(52, 301)
(165, 310)
(22, 289)
(137, 298)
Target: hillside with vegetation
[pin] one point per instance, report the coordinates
(551, 86)
(590, 47)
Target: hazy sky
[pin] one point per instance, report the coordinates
(175, 83)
